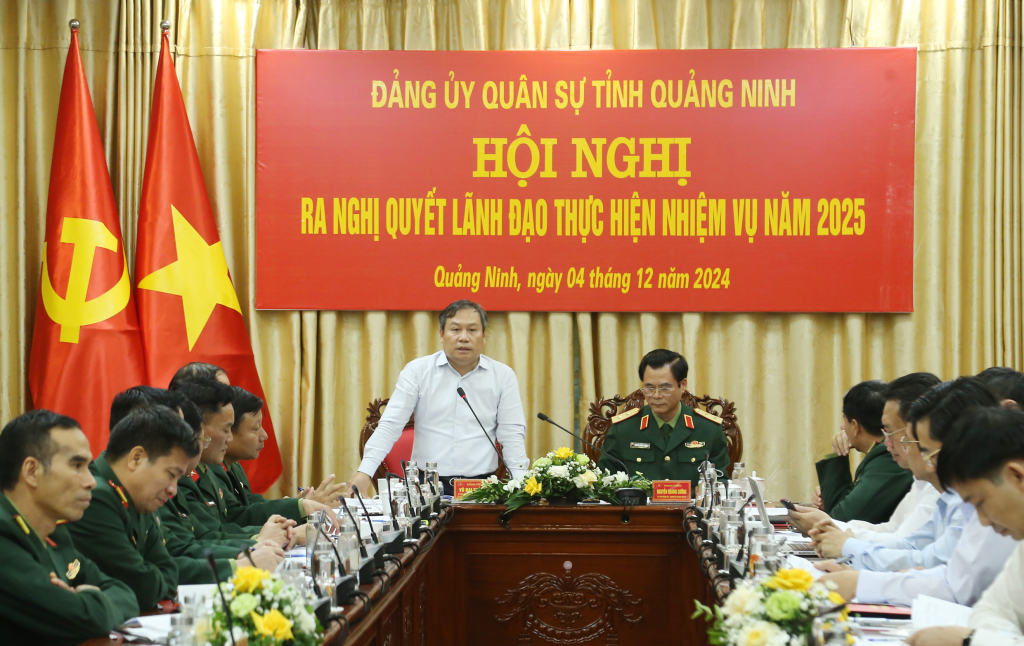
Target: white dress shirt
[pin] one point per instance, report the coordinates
(979, 557)
(998, 618)
(446, 431)
(929, 546)
(910, 515)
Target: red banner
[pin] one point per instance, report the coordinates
(729, 180)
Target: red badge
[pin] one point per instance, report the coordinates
(643, 422)
(689, 421)
(194, 475)
(49, 541)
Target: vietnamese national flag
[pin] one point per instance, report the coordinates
(188, 310)
(86, 346)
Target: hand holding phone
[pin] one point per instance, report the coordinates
(788, 504)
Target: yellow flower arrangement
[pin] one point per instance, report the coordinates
(249, 579)
(563, 453)
(791, 579)
(273, 624)
(532, 487)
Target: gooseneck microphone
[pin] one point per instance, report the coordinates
(373, 534)
(391, 498)
(462, 394)
(545, 418)
(359, 536)
(212, 564)
(409, 489)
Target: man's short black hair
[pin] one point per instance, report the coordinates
(195, 370)
(155, 428)
(192, 415)
(980, 444)
(28, 436)
(1005, 383)
(908, 388)
(659, 358)
(244, 403)
(209, 395)
(141, 396)
(864, 404)
(943, 404)
(457, 307)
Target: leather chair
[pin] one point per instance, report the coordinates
(603, 410)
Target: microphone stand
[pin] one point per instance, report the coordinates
(212, 564)
(373, 534)
(545, 418)
(462, 394)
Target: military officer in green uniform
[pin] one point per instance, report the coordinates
(49, 591)
(147, 452)
(880, 483)
(665, 440)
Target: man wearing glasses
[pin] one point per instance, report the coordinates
(666, 439)
(917, 506)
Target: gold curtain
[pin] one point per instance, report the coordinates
(786, 372)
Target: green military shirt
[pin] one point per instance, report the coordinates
(872, 495)
(125, 544)
(33, 610)
(664, 451)
(205, 497)
(247, 508)
(189, 553)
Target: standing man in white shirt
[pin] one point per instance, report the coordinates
(918, 505)
(984, 460)
(446, 431)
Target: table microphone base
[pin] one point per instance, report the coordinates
(631, 496)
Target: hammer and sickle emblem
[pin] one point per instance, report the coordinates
(73, 311)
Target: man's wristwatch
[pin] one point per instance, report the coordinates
(967, 638)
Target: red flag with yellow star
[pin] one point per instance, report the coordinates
(85, 345)
(188, 310)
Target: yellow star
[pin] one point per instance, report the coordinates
(199, 276)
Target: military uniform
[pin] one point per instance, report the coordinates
(33, 610)
(206, 497)
(125, 544)
(872, 495)
(670, 450)
(189, 553)
(247, 508)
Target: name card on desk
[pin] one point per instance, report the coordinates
(670, 491)
(462, 487)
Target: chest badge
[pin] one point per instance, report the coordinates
(212, 503)
(221, 492)
(688, 420)
(644, 421)
(639, 445)
(73, 568)
(694, 445)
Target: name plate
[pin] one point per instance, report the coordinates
(462, 487)
(670, 491)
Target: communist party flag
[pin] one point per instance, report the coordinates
(86, 346)
(188, 310)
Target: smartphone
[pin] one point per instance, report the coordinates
(788, 505)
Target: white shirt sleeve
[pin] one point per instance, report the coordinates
(912, 513)
(396, 415)
(511, 431)
(998, 617)
(929, 547)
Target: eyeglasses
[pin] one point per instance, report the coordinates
(929, 456)
(905, 442)
(206, 441)
(650, 391)
(889, 436)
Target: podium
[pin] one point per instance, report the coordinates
(567, 575)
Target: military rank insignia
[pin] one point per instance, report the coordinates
(120, 493)
(22, 524)
(625, 415)
(694, 445)
(644, 421)
(51, 542)
(708, 416)
(688, 420)
(194, 475)
(73, 568)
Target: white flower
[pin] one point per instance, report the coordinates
(744, 600)
(239, 634)
(305, 621)
(762, 633)
(621, 477)
(561, 471)
(585, 479)
(512, 485)
(492, 478)
(608, 481)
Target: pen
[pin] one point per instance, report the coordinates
(846, 560)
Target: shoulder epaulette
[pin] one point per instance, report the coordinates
(625, 415)
(120, 493)
(708, 416)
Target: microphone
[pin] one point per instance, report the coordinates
(373, 534)
(408, 488)
(212, 564)
(545, 418)
(359, 536)
(391, 499)
(462, 394)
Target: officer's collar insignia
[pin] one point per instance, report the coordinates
(21, 523)
(62, 522)
(50, 542)
(120, 492)
(644, 421)
(625, 415)
(706, 415)
(689, 420)
(694, 445)
(73, 568)
(194, 475)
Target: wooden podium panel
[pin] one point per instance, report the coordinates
(568, 575)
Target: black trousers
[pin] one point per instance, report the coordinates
(449, 488)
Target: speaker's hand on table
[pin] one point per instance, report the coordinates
(360, 480)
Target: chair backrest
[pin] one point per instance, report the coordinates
(603, 410)
(402, 449)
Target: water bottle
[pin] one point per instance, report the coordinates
(181, 633)
(348, 545)
(432, 477)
